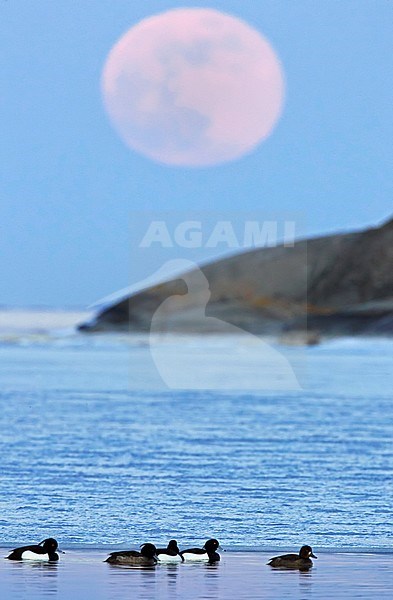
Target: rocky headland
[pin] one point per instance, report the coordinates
(335, 285)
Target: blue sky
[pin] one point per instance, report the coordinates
(69, 186)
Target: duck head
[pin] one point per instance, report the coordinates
(173, 547)
(50, 545)
(211, 546)
(306, 552)
(149, 551)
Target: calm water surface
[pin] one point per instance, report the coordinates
(96, 453)
(242, 576)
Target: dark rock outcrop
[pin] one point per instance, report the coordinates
(334, 285)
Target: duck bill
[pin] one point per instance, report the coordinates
(313, 555)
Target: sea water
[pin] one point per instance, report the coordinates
(239, 576)
(96, 453)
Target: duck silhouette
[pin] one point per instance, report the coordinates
(208, 553)
(45, 550)
(301, 561)
(170, 554)
(228, 358)
(147, 557)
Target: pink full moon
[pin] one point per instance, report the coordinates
(193, 87)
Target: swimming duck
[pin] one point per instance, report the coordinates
(147, 557)
(205, 554)
(45, 550)
(300, 561)
(170, 554)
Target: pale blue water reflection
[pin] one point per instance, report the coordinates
(242, 576)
